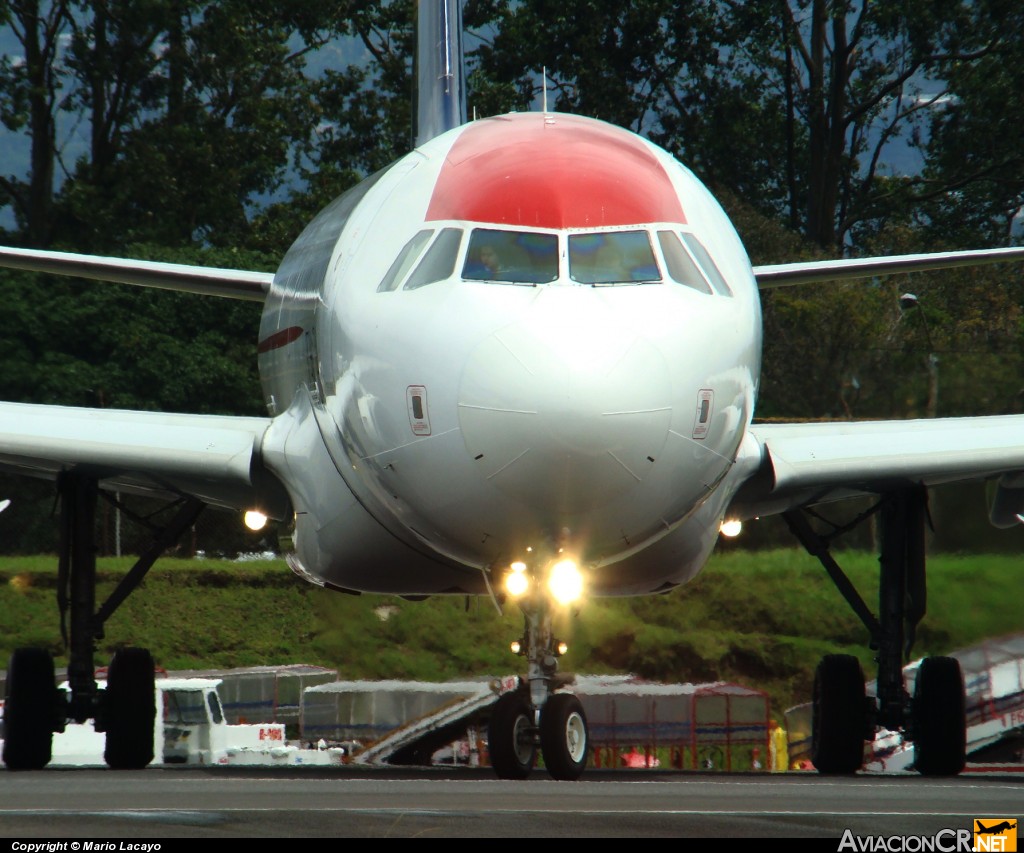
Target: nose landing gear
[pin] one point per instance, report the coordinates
(533, 716)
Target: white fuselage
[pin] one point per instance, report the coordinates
(437, 417)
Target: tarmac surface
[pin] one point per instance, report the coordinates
(223, 802)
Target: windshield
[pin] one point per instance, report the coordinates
(707, 264)
(612, 257)
(680, 265)
(439, 261)
(403, 263)
(521, 257)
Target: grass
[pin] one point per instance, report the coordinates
(762, 619)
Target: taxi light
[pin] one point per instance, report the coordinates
(562, 648)
(565, 582)
(731, 527)
(255, 520)
(516, 646)
(516, 583)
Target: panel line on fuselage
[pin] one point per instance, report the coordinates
(499, 409)
(494, 474)
(701, 444)
(637, 411)
(629, 470)
(409, 444)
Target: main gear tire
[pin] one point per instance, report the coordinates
(129, 706)
(838, 715)
(940, 720)
(31, 708)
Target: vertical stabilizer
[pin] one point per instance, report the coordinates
(440, 97)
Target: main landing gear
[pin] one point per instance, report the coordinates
(844, 717)
(35, 708)
(533, 716)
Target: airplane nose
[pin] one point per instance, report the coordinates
(568, 408)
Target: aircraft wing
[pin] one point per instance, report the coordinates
(208, 281)
(802, 464)
(784, 275)
(214, 458)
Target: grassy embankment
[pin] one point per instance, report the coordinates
(760, 619)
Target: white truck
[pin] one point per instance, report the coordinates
(193, 730)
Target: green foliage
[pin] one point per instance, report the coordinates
(104, 345)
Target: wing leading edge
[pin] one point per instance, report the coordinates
(784, 275)
(214, 458)
(207, 281)
(809, 463)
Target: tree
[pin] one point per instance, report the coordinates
(185, 139)
(972, 189)
(193, 111)
(855, 76)
(29, 99)
(362, 110)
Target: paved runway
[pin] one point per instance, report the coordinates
(218, 802)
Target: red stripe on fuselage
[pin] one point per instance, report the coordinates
(280, 339)
(547, 171)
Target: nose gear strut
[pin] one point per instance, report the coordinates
(534, 716)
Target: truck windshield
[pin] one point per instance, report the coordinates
(184, 707)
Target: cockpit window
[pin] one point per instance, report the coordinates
(403, 263)
(439, 261)
(681, 267)
(521, 257)
(612, 257)
(704, 259)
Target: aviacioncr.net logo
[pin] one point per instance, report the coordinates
(944, 841)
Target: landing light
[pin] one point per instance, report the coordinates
(516, 581)
(731, 527)
(255, 520)
(565, 582)
(562, 648)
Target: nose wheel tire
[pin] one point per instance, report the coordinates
(30, 710)
(563, 736)
(510, 737)
(130, 710)
(940, 738)
(839, 719)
